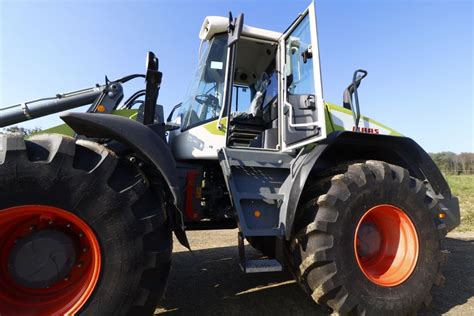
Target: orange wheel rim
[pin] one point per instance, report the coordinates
(61, 294)
(386, 245)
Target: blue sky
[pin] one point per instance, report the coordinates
(419, 54)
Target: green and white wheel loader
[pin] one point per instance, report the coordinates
(354, 210)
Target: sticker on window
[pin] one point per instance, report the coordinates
(216, 65)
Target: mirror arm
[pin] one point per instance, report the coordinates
(349, 91)
(177, 106)
(355, 84)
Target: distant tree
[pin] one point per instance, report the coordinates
(449, 162)
(466, 161)
(20, 130)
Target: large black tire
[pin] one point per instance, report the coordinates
(126, 214)
(323, 256)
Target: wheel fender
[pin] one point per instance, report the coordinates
(142, 139)
(412, 154)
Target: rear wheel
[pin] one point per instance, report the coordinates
(374, 245)
(82, 231)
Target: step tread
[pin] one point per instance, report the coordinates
(262, 265)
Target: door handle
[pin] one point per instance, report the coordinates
(290, 118)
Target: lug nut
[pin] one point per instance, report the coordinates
(68, 225)
(32, 227)
(79, 265)
(84, 249)
(50, 223)
(66, 278)
(81, 235)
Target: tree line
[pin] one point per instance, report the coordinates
(451, 163)
(20, 130)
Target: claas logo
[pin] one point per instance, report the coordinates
(366, 130)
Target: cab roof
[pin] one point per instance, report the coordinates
(218, 24)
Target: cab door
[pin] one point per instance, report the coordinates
(301, 103)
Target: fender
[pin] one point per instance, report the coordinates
(349, 146)
(142, 139)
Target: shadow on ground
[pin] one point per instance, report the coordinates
(459, 286)
(209, 282)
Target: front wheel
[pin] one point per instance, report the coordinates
(374, 245)
(81, 231)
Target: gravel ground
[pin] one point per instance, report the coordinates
(208, 281)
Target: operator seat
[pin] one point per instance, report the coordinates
(244, 127)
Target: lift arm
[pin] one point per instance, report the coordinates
(106, 96)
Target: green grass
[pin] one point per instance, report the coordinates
(463, 187)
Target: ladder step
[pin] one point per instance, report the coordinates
(260, 196)
(257, 164)
(262, 265)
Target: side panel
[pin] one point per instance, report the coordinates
(200, 142)
(341, 119)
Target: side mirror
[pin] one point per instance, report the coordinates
(235, 28)
(359, 74)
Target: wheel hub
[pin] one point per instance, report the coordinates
(50, 261)
(42, 259)
(369, 240)
(386, 245)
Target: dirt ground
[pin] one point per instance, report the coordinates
(208, 281)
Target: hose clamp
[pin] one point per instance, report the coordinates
(26, 111)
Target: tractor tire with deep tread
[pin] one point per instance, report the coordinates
(323, 255)
(109, 194)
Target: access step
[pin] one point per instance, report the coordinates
(261, 265)
(256, 265)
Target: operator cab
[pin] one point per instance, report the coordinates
(259, 90)
(254, 115)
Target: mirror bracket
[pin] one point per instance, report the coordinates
(235, 28)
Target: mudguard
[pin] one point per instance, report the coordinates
(142, 139)
(340, 146)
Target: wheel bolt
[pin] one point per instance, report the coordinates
(32, 227)
(50, 223)
(79, 265)
(81, 235)
(66, 278)
(68, 225)
(84, 249)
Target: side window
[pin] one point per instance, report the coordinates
(241, 98)
(299, 72)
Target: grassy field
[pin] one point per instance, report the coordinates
(463, 187)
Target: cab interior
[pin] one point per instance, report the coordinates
(253, 122)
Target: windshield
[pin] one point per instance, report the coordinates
(204, 98)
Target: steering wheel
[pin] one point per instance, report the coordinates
(208, 99)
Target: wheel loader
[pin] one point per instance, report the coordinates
(355, 211)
